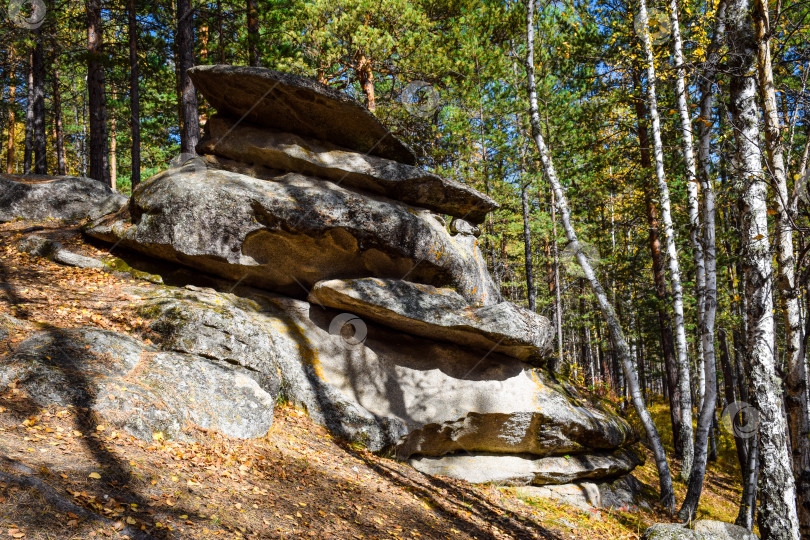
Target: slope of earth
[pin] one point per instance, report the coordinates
(59, 465)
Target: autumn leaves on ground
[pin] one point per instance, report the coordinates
(297, 481)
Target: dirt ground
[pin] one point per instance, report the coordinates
(296, 482)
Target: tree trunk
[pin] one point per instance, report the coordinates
(61, 161)
(96, 94)
(708, 289)
(732, 395)
(253, 34)
(28, 152)
(12, 123)
(796, 380)
(134, 93)
(777, 516)
(672, 253)
(40, 136)
(188, 96)
(748, 500)
(113, 148)
(691, 188)
(617, 335)
(558, 312)
(659, 278)
(365, 76)
(531, 294)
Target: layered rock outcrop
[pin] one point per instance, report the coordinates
(350, 293)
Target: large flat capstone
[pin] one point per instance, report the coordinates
(297, 105)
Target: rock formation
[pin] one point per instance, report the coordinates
(349, 293)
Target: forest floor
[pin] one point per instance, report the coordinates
(296, 482)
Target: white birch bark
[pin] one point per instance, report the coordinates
(672, 253)
(616, 333)
(691, 188)
(778, 518)
(796, 383)
(706, 418)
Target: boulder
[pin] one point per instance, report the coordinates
(70, 198)
(289, 233)
(137, 388)
(438, 398)
(53, 250)
(297, 105)
(672, 531)
(720, 530)
(704, 529)
(515, 470)
(214, 325)
(248, 143)
(441, 314)
(624, 493)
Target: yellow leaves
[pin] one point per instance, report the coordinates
(131, 520)
(94, 475)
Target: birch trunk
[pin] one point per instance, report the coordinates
(777, 516)
(531, 294)
(709, 256)
(691, 187)
(796, 383)
(557, 295)
(659, 276)
(672, 253)
(616, 333)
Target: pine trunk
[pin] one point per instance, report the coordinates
(188, 96)
(12, 127)
(40, 137)
(134, 93)
(59, 130)
(253, 34)
(28, 151)
(96, 94)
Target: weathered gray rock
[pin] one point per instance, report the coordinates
(284, 151)
(220, 326)
(297, 105)
(672, 531)
(438, 397)
(720, 530)
(515, 470)
(704, 529)
(624, 493)
(39, 197)
(53, 250)
(9, 324)
(290, 233)
(441, 314)
(137, 388)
